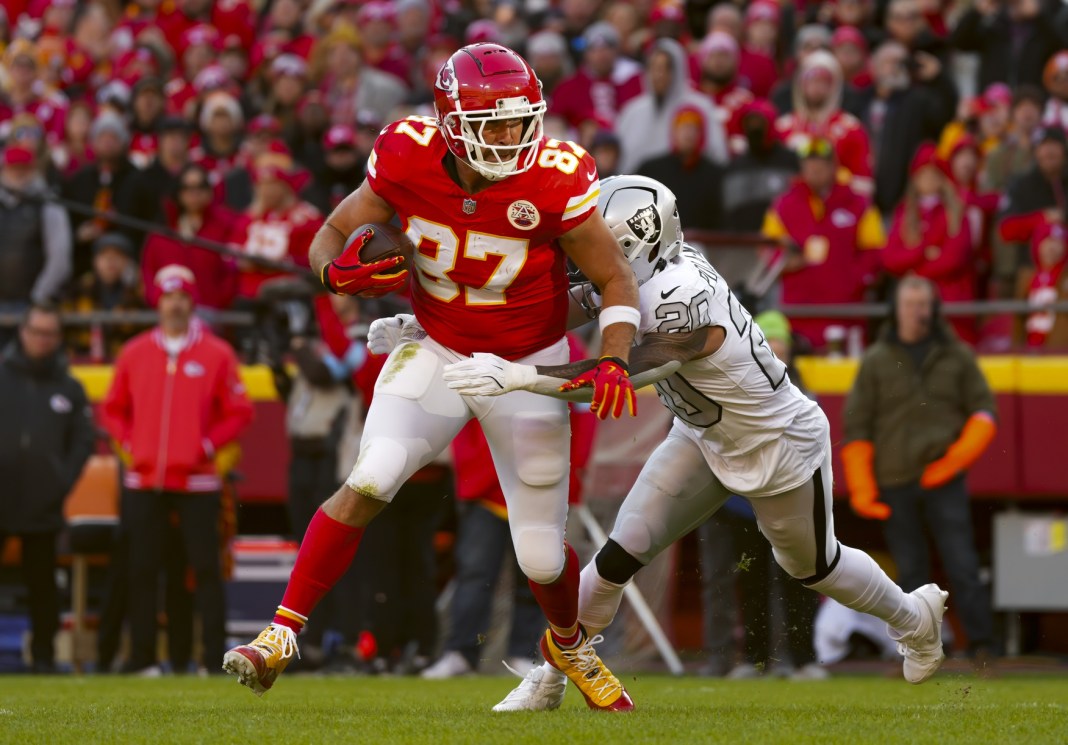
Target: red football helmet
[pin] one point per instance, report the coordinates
(483, 83)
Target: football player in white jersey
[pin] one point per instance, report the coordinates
(740, 427)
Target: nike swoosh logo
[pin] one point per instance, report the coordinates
(591, 176)
(665, 295)
(342, 284)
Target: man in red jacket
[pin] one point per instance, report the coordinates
(175, 401)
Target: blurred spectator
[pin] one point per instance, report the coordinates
(605, 151)
(985, 118)
(148, 108)
(46, 436)
(35, 254)
(774, 607)
(237, 184)
(761, 173)
(718, 58)
(177, 367)
(192, 211)
(221, 124)
(342, 172)
(644, 125)
(899, 114)
(695, 180)
(74, 152)
(832, 238)
(1012, 155)
(155, 184)
(112, 285)
(23, 92)
(348, 85)
(1041, 284)
(817, 112)
(376, 21)
(606, 82)
(811, 38)
(934, 236)
(288, 80)
(107, 185)
(280, 224)
(1013, 39)
(919, 415)
(413, 21)
(905, 23)
(852, 14)
(850, 48)
(24, 131)
(1055, 81)
(757, 42)
(1041, 190)
(282, 33)
(547, 54)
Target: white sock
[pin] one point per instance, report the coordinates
(861, 584)
(599, 600)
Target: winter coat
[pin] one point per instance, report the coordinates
(46, 436)
(912, 415)
(645, 124)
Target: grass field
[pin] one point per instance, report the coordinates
(403, 710)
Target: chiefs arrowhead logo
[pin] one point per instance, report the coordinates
(447, 80)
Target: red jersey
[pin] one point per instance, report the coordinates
(730, 102)
(280, 236)
(489, 276)
(852, 147)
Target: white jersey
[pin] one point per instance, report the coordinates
(760, 434)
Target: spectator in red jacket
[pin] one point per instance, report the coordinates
(175, 401)
(194, 211)
(832, 236)
(718, 56)
(932, 235)
(597, 92)
(281, 225)
(1042, 284)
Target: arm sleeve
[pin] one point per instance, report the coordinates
(57, 236)
(233, 410)
(116, 410)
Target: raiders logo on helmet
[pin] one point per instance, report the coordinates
(645, 223)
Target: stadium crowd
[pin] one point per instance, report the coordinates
(865, 140)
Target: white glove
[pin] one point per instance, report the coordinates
(384, 333)
(488, 375)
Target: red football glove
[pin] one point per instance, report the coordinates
(611, 388)
(347, 275)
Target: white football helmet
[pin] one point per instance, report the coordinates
(642, 215)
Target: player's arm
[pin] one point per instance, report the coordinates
(339, 266)
(657, 357)
(593, 249)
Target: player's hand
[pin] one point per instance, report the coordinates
(347, 275)
(488, 375)
(384, 333)
(612, 389)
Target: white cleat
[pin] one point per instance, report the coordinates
(922, 647)
(451, 665)
(542, 689)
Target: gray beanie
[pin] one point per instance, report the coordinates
(109, 121)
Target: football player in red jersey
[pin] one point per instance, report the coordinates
(494, 210)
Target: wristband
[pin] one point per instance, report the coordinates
(617, 362)
(619, 314)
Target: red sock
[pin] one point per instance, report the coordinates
(559, 599)
(325, 554)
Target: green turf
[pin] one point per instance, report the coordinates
(333, 710)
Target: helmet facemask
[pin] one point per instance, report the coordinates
(496, 162)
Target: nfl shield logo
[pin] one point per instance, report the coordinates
(469, 206)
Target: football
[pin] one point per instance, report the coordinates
(386, 242)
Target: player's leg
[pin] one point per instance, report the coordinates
(800, 527)
(674, 493)
(412, 417)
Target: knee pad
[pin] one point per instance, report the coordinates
(615, 564)
(634, 538)
(541, 447)
(793, 544)
(379, 470)
(540, 553)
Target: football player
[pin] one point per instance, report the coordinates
(740, 427)
(494, 210)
